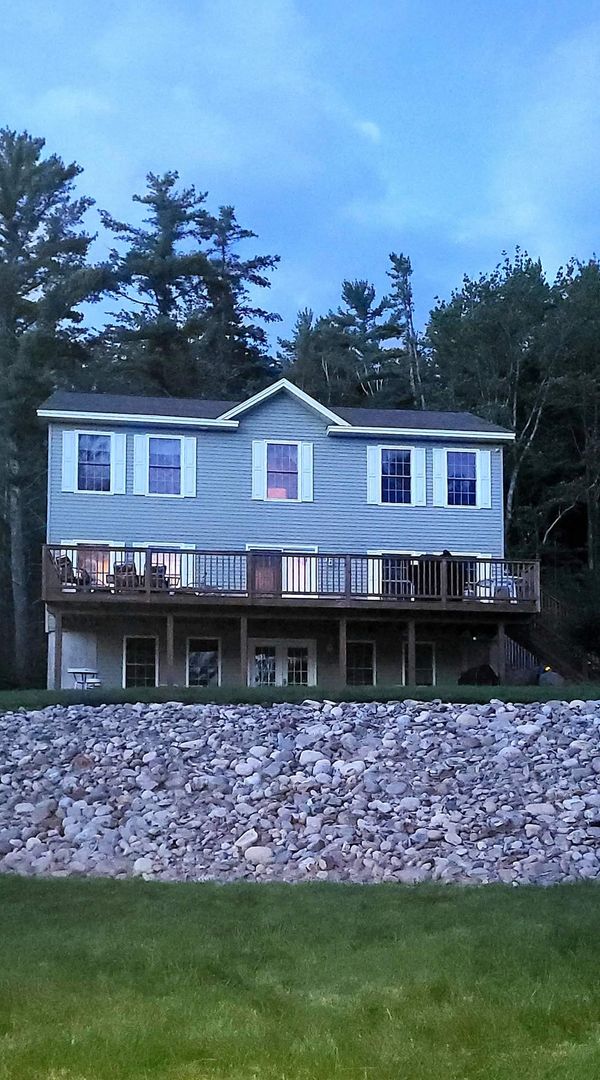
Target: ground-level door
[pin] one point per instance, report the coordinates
(278, 662)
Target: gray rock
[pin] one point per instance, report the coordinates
(258, 856)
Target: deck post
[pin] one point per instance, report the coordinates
(170, 672)
(58, 650)
(501, 638)
(342, 643)
(411, 648)
(244, 650)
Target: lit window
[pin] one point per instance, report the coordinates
(395, 476)
(360, 663)
(140, 661)
(164, 458)
(93, 463)
(462, 478)
(282, 471)
(203, 662)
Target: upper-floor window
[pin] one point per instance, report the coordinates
(93, 462)
(395, 476)
(164, 466)
(462, 477)
(282, 470)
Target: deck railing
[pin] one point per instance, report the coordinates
(406, 579)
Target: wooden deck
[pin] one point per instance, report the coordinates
(105, 576)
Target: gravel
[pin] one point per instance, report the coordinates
(403, 791)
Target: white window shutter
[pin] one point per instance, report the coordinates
(188, 467)
(440, 482)
(118, 449)
(69, 461)
(259, 469)
(140, 465)
(418, 477)
(484, 479)
(306, 472)
(373, 474)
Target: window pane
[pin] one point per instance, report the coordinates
(140, 661)
(164, 457)
(265, 665)
(395, 476)
(282, 471)
(93, 463)
(203, 662)
(360, 668)
(297, 665)
(462, 478)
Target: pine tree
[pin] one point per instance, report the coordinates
(187, 327)
(44, 277)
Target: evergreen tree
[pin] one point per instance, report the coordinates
(401, 326)
(187, 327)
(339, 358)
(495, 350)
(44, 277)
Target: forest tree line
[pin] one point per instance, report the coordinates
(187, 317)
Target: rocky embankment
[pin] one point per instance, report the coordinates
(404, 791)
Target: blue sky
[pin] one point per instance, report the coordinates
(340, 131)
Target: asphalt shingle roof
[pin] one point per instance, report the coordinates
(206, 409)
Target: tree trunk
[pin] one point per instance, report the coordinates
(18, 573)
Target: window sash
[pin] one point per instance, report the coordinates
(462, 477)
(203, 663)
(360, 663)
(396, 476)
(164, 466)
(93, 462)
(283, 471)
(140, 666)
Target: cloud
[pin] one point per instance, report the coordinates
(369, 130)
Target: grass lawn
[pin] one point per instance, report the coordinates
(38, 699)
(117, 980)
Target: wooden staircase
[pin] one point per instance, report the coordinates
(542, 641)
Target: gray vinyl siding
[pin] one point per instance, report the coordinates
(223, 516)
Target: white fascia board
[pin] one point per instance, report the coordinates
(138, 418)
(424, 433)
(276, 388)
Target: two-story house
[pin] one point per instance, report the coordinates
(274, 541)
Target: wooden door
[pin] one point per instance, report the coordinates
(266, 573)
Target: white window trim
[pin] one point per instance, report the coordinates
(129, 637)
(410, 450)
(462, 450)
(202, 637)
(283, 442)
(285, 643)
(405, 660)
(164, 494)
(362, 641)
(300, 549)
(86, 491)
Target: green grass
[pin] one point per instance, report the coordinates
(38, 699)
(102, 979)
